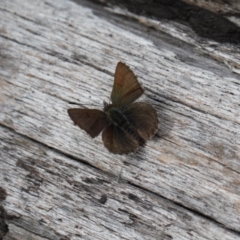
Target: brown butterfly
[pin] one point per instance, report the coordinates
(126, 125)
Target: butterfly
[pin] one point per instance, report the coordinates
(125, 124)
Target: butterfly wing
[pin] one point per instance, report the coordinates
(117, 141)
(126, 88)
(91, 120)
(143, 117)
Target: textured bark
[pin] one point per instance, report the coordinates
(58, 183)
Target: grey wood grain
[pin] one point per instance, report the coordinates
(55, 55)
(50, 196)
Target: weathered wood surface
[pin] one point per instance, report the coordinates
(60, 183)
(219, 6)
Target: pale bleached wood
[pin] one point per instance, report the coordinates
(50, 196)
(56, 52)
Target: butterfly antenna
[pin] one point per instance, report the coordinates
(84, 105)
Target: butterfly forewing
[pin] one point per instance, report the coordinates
(117, 141)
(144, 118)
(126, 88)
(92, 121)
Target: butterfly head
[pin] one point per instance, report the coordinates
(106, 106)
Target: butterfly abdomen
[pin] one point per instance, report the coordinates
(118, 118)
(130, 130)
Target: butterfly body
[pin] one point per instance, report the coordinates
(125, 124)
(115, 116)
(120, 120)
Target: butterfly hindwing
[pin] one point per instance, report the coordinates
(117, 141)
(144, 118)
(92, 121)
(126, 88)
